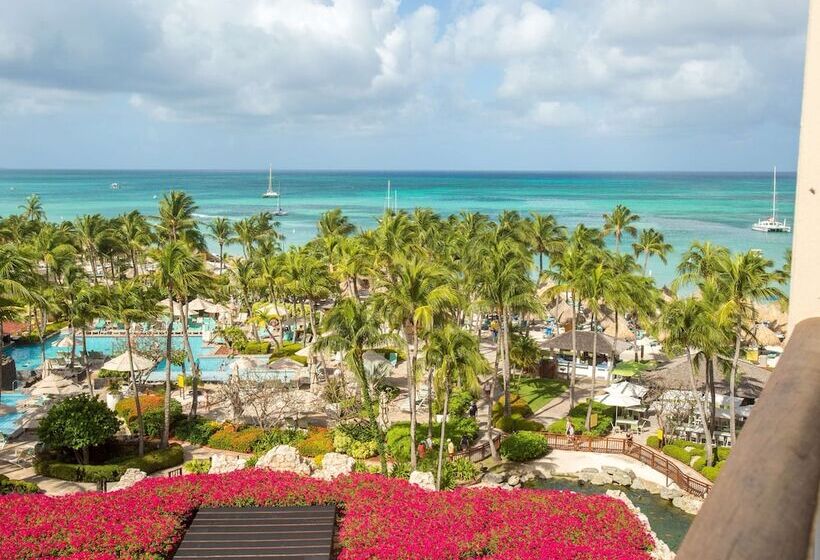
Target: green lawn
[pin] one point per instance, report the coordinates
(538, 392)
(628, 369)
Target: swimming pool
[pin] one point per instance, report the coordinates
(9, 423)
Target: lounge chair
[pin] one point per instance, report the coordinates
(23, 457)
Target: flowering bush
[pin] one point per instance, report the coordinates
(232, 439)
(381, 518)
(318, 442)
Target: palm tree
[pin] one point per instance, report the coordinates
(334, 223)
(176, 219)
(87, 305)
(352, 328)
(687, 323)
(179, 273)
(135, 233)
(33, 209)
(89, 230)
(455, 355)
(221, 231)
(409, 301)
(546, 237)
(651, 243)
(131, 302)
(743, 279)
(618, 223)
(701, 261)
(243, 275)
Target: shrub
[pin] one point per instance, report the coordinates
(78, 423)
(151, 462)
(654, 442)
(462, 469)
(241, 441)
(154, 420)
(317, 442)
(9, 486)
(516, 423)
(398, 436)
(517, 406)
(712, 472)
(197, 466)
(363, 449)
(524, 446)
(196, 430)
(286, 350)
(253, 347)
(723, 453)
(699, 463)
(460, 401)
(678, 453)
(127, 408)
(578, 414)
(274, 437)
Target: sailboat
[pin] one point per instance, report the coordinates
(270, 193)
(279, 211)
(772, 224)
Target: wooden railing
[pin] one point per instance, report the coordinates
(481, 451)
(765, 502)
(646, 455)
(175, 472)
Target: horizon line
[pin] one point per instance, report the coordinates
(396, 170)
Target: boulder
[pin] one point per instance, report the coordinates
(129, 478)
(671, 492)
(514, 480)
(542, 471)
(335, 464)
(527, 477)
(621, 478)
(584, 475)
(284, 458)
(687, 503)
(424, 480)
(599, 479)
(638, 484)
(492, 478)
(649, 486)
(221, 464)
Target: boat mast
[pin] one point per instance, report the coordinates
(278, 198)
(270, 178)
(774, 195)
(387, 205)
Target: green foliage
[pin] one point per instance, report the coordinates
(253, 347)
(699, 463)
(154, 420)
(460, 401)
(9, 486)
(723, 453)
(274, 437)
(357, 439)
(678, 453)
(654, 442)
(197, 466)
(233, 439)
(462, 469)
(398, 436)
(197, 430)
(234, 337)
(287, 349)
(517, 406)
(606, 416)
(712, 472)
(524, 446)
(78, 423)
(516, 423)
(113, 470)
(51, 328)
(538, 392)
(318, 442)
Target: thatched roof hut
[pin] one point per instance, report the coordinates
(584, 341)
(675, 375)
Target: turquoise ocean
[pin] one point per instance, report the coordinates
(686, 207)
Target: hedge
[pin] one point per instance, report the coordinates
(524, 446)
(398, 436)
(678, 453)
(712, 472)
(233, 439)
(516, 423)
(50, 329)
(253, 347)
(197, 466)
(197, 430)
(151, 462)
(578, 414)
(318, 442)
(517, 406)
(654, 442)
(9, 486)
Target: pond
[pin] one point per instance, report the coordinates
(668, 522)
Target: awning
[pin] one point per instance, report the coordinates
(122, 363)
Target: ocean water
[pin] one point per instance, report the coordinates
(686, 207)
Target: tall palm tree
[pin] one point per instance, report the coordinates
(335, 223)
(33, 209)
(700, 262)
(546, 237)
(135, 233)
(455, 355)
(743, 279)
(221, 231)
(89, 231)
(179, 273)
(687, 323)
(131, 302)
(176, 219)
(352, 328)
(651, 243)
(409, 300)
(243, 274)
(618, 223)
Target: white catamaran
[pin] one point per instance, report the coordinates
(270, 193)
(771, 224)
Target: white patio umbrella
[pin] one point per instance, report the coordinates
(121, 363)
(54, 385)
(621, 401)
(64, 342)
(198, 304)
(627, 388)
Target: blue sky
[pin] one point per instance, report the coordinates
(383, 84)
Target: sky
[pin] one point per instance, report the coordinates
(586, 85)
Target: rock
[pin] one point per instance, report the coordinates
(527, 477)
(671, 492)
(221, 464)
(492, 478)
(638, 484)
(621, 478)
(424, 480)
(687, 503)
(651, 487)
(514, 480)
(129, 478)
(584, 475)
(542, 471)
(599, 479)
(333, 465)
(609, 469)
(284, 458)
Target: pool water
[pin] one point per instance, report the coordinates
(10, 422)
(668, 522)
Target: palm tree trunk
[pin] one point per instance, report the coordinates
(693, 385)
(314, 377)
(356, 288)
(73, 347)
(493, 450)
(441, 437)
(221, 259)
(594, 374)
(411, 386)
(194, 368)
(41, 327)
(85, 366)
(540, 266)
(710, 382)
(371, 414)
(732, 380)
(614, 349)
(573, 368)
(430, 372)
(137, 405)
(166, 405)
(505, 362)
(645, 262)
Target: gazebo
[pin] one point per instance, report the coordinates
(584, 341)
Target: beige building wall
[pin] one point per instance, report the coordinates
(805, 284)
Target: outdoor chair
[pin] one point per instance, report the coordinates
(23, 457)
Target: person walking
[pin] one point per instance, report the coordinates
(465, 443)
(421, 450)
(473, 410)
(451, 449)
